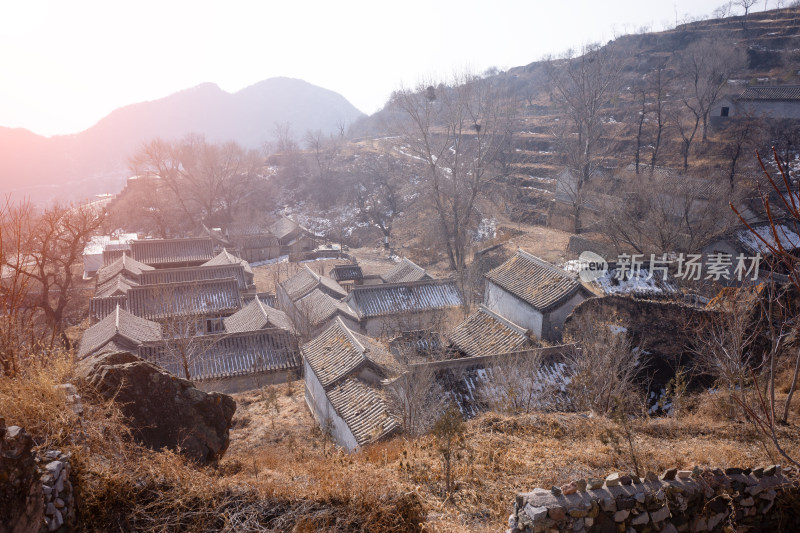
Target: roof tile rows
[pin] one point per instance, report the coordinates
(124, 265)
(173, 251)
(227, 354)
(786, 92)
(404, 272)
(188, 298)
(306, 280)
(378, 300)
(122, 327)
(347, 273)
(227, 258)
(257, 315)
(317, 307)
(363, 409)
(534, 280)
(198, 273)
(486, 333)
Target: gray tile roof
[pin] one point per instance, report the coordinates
(125, 265)
(339, 351)
(786, 92)
(189, 298)
(102, 306)
(388, 299)
(196, 273)
(284, 227)
(267, 298)
(121, 327)
(486, 333)
(229, 354)
(116, 286)
(227, 258)
(404, 272)
(306, 280)
(173, 251)
(346, 273)
(256, 315)
(363, 409)
(318, 307)
(534, 280)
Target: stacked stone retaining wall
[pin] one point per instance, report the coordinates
(764, 499)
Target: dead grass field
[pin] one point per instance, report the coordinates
(505, 455)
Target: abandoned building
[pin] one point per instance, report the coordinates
(302, 283)
(343, 372)
(227, 258)
(388, 309)
(291, 236)
(533, 294)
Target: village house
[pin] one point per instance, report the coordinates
(533, 294)
(291, 236)
(347, 276)
(312, 313)
(229, 362)
(772, 102)
(118, 331)
(343, 371)
(302, 283)
(167, 253)
(252, 242)
(94, 251)
(405, 271)
(257, 315)
(388, 309)
(227, 258)
(485, 332)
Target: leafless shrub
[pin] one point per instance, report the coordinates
(516, 386)
(417, 398)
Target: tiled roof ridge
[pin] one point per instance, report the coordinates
(506, 322)
(316, 276)
(154, 286)
(545, 264)
(430, 281)
(360, 347)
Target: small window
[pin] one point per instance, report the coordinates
(725, 111)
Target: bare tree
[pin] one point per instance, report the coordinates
(516, 385)
(449, 432)
(742, 134)
(325, 152)
(704, 68)
(583, 86)
(604, 366)
(52, 243)
(723, 11)
(455, 131)
(205, 182)
(417, 398)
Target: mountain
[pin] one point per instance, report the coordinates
(71, 167)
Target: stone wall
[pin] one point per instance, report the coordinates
(35, 490)
(763, 499)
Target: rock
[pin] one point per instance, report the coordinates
(625, 480)
(715, 520)
(684, 474)
(660, 515)
(163, 411)
(621, 516)
(772, 470)
(555, 490)
(581, 484)
(595, 483)
(512, 522)
(640, 519)
(650, 477)
(747, 502)
(569, 488)
(557, 513)
(588, 521)
(669, 475)
(608, 504)
(640, 497)
(733, 471)
(669, 528)
(54, 467)
(612, 480)
(758, 472)
(636, 479)
(535, 513)
(59, 503)
(698, 523)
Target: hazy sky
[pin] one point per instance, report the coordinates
(66, 64)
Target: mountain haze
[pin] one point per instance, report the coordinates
(95, 160)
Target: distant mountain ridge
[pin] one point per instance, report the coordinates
(76, 166)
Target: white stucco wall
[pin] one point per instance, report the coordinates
(322, 409)
(513, 308)
(555, 318)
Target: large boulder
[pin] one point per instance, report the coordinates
(21, 502)
(163, 410)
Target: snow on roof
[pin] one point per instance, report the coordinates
(633, 282)
(788, 238)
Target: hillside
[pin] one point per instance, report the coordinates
(70, 167)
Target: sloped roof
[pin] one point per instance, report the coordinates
(230, 354)
(122, 327)
(338, 351)
(116, 286)
(405, 271)
(284, 227)
(306, 280)
(316, 307)
(173, 251)
(347, 273)
(227, 258)
(196, 273)
(534, 280)
(363, 409)
(187, 298)
(788, 238)
(785, 92)
(387, 299)
(486, 333)
(125, 265)
(248, 242)
(255, 316)
(102, 306)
